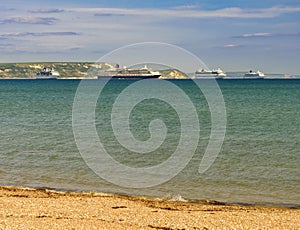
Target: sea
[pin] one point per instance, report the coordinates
(258, 162)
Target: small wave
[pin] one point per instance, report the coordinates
(173, 198)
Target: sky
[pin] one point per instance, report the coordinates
(235, 35)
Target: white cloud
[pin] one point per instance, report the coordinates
(261, 35)
(38, 34)
(233, 12)
(256, 35)
(29, 20)
(46, 11)
(232, 45)
(185, 7)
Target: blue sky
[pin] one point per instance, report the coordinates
(233, 35)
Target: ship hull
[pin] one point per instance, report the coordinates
(207, 76)
(129, 77)
(254, 76)
(46, 78)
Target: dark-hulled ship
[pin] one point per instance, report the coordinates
(126, 73)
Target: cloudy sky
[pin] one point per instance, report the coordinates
(233, 35)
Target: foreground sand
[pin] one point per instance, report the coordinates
(22, 208)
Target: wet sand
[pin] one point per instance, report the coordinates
(23, 208)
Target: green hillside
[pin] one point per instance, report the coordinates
(29, 70)
(65, 69)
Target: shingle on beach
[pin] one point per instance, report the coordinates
(24, 208)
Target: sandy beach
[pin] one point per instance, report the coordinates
(24, 208)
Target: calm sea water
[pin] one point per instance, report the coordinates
(258, 163)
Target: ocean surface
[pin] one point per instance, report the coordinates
(259, 162)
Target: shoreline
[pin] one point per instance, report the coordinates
(166, 198)
(22, 207)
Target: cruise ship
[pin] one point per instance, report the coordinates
(215, 73)
(254, 75)
(126, 73)
(47, 74)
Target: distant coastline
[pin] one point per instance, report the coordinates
(67, 70)
(78, 70)
(29, 70)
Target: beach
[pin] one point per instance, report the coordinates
(25, 208)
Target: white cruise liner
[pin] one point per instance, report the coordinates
(215, 73)
(47, 74)
(254, 75)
